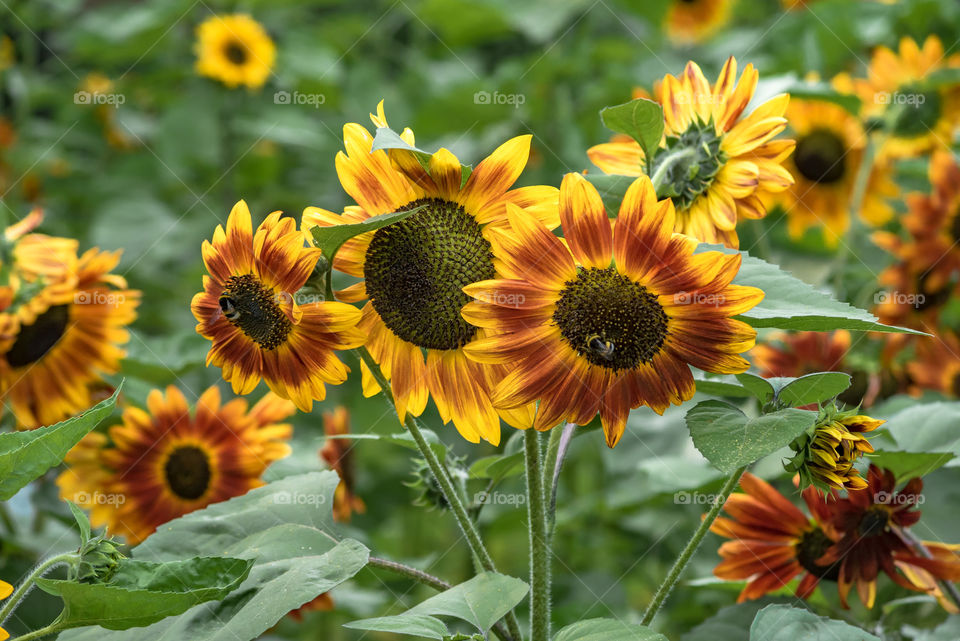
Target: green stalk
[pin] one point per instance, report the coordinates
(467, 526)
(21, 591)
(53, 628)
(674, 575)
(539, 545)
(667, 163)
(856, 203)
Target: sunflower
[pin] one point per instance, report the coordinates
(718, 165)
(825, 457)
(166, 462)
(919, 118)
(825, 163)
(692, 21)
(610, 319)
(414, 270)
(60, 341)
(5, 591)
(250, 309)
(799, 353)
(236, 50)
(936, 364)
(871, 524)
(338, 455)
(773, 542)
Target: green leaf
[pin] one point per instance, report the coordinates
(141, 593)
(82, 521)
(790, 303)
(482, 601)
(401, 438)
(731, 623)
(814, 388)
(387, 139)
(786, 623)
(939, 433)
(611, 188)
(908, 465)
(330, 239)
(824, 92)
(757, 385)
(730, 440)
(419, 625)
(285, 527)
(607, 630)
(27, 455)
(726, 385)
(498, 466)
(641, 119)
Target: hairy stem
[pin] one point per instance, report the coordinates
(539, 545)
(25, 586)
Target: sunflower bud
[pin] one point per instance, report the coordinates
(99, 559)
(429, 493)
(826, 454)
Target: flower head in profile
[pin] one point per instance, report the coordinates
(825, 456)
(168, 461)
(337, 453)
(716, 163)
(236, 50)
(613, 317)
(414, 270)
(260, 326)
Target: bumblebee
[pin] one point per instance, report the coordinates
(600, 346)
(229, 308)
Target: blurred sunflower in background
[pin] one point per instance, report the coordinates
(236, 50)
(612, 317)
(414, 270)
(337, 453)
(716, 163)
(251, 310)
(825, 163)
(799, 353)
(166, 462)
(693, 21)
(936, 364)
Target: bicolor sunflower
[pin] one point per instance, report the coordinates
(692, 21)
(773, 542)
(414, 270)
(825, 163)
(236, 50)
(337, 453)
(826, 455)
(716, 163)
(919, 116)
(260, 326)
(166, 462)
(612, 318)
(63, 331)
(5, 591)
(871, 523)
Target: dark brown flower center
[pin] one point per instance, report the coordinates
(34, 341)
(188, 472)
(415, 271)
(253, 308)
(819, 157)
(874, 521)
(609, 319)
(811, 547)
(236, 52)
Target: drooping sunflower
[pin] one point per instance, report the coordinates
(773, 542)
(250, 310)
(718, 164)
(826, 455)
(692, 21)
(338, 455)
(825, 163)
(414, 270)
(871, 524)
(166, 462)
(236, 50)
(612, 318)
(61, 339)
(5, 591)
(919, 117)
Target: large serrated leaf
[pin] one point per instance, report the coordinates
(607, 630)
(419, 625)
(641, 119)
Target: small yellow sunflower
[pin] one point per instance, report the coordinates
(692, 21)
(251, 311)
(920, 118)
(65, 334)
(236, 50)
(825, 458)
(611, 319)
(825, 163)
(414, 270)
(166, 462)
(338, 455)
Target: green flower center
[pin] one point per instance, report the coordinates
(253, 308)
(915, 113)
(236, 52)
(34, 341)
(812, 545)
(188, 472)
(819, 157)
(689, 163)
(874, 521)
(610, 320)
(415, 271)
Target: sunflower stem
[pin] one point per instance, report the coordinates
(667, 163)
(556, 453)
(53, 628)
(681, 563)
(856, 203)
(11, 604)
(539, 543)
(467, 526)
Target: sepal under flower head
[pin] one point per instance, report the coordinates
(100, 557)
(429, 493)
